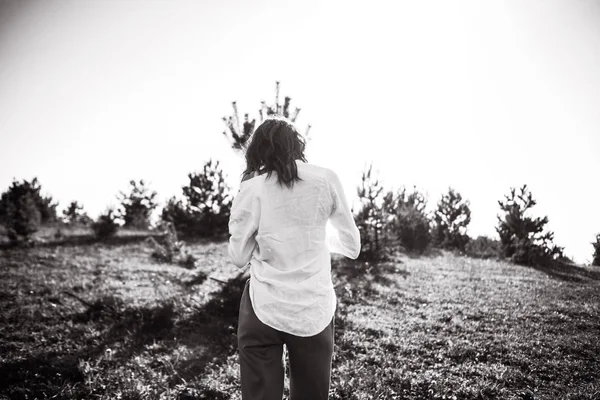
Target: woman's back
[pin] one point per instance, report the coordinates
(292, 225)
(291, 288)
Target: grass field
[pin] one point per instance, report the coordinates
(103, 321)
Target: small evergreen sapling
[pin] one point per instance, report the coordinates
(483, 247)
(174, 212)
(596, 255)
(411, 223)
(206, 205)
(23, 218)
(450, 221)
(106, 225)
(137, 205)
(74, 214)
(370, 217)
(522, 237)
(171, 249)
(23, 209)
(208, 200)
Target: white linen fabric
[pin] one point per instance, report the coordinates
(281, 232)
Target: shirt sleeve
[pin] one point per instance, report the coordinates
(243, 226)
(345, 238)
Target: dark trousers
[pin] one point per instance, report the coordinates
(261, 359)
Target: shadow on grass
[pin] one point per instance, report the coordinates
(199, 240)
(198, 279)
(356, 279)
(357, 286)
(39, 376)
(569, 272)
(212, 329)
(208, 332)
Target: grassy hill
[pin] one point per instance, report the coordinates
(104, 321)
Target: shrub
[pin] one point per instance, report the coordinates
(47, 208)
(208, 200)
(105, 226)
(450, 221)
(187, 261)
(137, 205)
(410, 223)
(522, 238)
(74, 214)
(23, 209)
(170, 247)
(174, 212)
(43, 204)
(206, 207)
(596, 244)
(370, 217)
(483, 247)
(171, 250)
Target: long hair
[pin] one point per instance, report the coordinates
(275, 146)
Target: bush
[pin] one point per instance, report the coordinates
(596, 244)
(74, 215)
(370, 217)
(170, 250)
(187, 261)
(522, 238)
(44, 204)
(483, 247)
(105, 226)
(390, 220)
(450, 221)
(137, 205)
(410, 223)
(206, 207)
(23, 209)
(47, 208)
(175, 213)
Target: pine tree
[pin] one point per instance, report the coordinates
(137, 205)
(410, 223)
(208, 199)
(522, 238)
(450, 221)
(596, 255)
(238, 132)
(174, 212)
(206, 206)
(46, 206)
(74, 214)
(106, 225)
(370, 216)
(23, 209)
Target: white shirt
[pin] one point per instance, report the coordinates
(281, 232)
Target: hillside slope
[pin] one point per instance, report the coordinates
(104, 321)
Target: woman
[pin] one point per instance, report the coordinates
(277, 224)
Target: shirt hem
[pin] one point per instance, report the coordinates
(334, 306)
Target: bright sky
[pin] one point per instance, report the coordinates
(480, 96)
